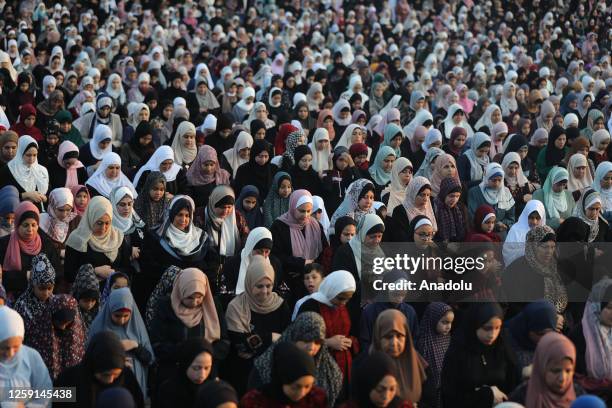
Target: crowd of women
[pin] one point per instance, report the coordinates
(192, 195)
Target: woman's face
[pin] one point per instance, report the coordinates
(423, 235)
(166, 165)
(260, 134)
(43, 292)
(560, 141)
(545, 251)
(559, 374)
(495, 183)
(496, 116)
(488, 332)
(396, 142)
(449, 170)
(303, 113)
(328, 122)
(112, 171)
(373, 240)
(606, 181)
(422, 198)
(116, 83)
(586, 102)
(299, 388)
(452, 199)
(248, 203)
(603, 145)
(200, 368)
(348, 232)
(262, 158)
(303, 212)
(534, 219)
(285, 188)
(194, 300)
(526, 128)
(101, 226)
(68, 163)
(393, 343)
(143, 115)
(559, 186)
(10, 347)
(342, 298)
(262, 290)
(103, 145)
(29, 121)
(405, 176)
(419, 104)
(573, 104)
(445, 323)
(311, 347)
(189, 140)
(605, 317)
(599, 124)
(9, 150)
(580, 172)
(181, 219)
(121, 317)
(365, 202)
(305, 162)
(387, 163)
(593, 211)
(357, 136)
(378, 90)
(28, 229)
(244, 153)
(109, 376)
(458, 117)
(30, 156)
(384, 392)
(522, 152)
(62, 212)
(344, 114)
(224, 211)
(512, 170)
(322, 145)
(124, 207)
(262, 113)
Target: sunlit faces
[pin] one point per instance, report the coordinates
(534, 219)
(512, 169)
(405, 176)
(112, 171)
(449, 170)
(200, 368)
(422, 198)
(303, 212)
(10, 347)
(9, 150)
(496, 116)
(387, 163)
(28, 228)
(347, 233)
(262, 158)
(30, 156)
(299, 388)
(559, 374)
(384, 392)
(188, 141)
(181, 219)
(305, 162)
(366, 201)
(342, 298)
(560, 141)
(109, 376)
(322, 144)
(223, 211)
(285, 188)
(489, 332)
(495, 182)
(121, 317)
(445, 324)
(262, 290)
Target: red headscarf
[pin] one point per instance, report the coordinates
(282, 135)
(477, 234)
(12, 258)
(20, 127)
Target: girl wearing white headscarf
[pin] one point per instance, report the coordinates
(115, 89)
(579, 179)
(320, 157)
(422, 118)
(320, 213)
(233, 158)
(24, 172)
(598, 227)
(184, 145)
(91, 153)
(450, 123)
(604, 171)
(395, 193)
(489, 118)
(355, 86)
(126, 220)
(244, 105)
(507, 102)
(472, 162)
(102, 181)
(173, 173)
(514, 246)
(222, 228)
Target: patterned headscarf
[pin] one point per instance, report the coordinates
(151, 212)
(431, 344)
(163, 288)
(28, 305)
(86, 285)
(350, 205)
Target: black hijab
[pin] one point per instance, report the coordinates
(216, 141)
(215, 393)
(290, 363)
(254, 174)
(366, 376)
(304, 179)
(554, 155)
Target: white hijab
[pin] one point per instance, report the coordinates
(104, 185)
(485, 119)
(514, 246)
(320, 158)
(255, 236)
(101, 133)
(232, 155)
(162, 154)
(32, 177)
(449, 124)
(182, 154)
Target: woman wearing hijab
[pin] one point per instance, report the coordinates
(239, 154)
(24, 172)
(195, 369)
(599, 151)
(23, 366)
(517, 143)
(433, 341)
(249, 206)
(507, 102)
(321, 149)
(49, 107)
(308, 332)
(450, 212)
(595, 121)
(538, 267)
(554, 152)
(525, 330)
(479, 370)
(294, 139)
(488, 119)
(202, 101)
(86, 291)
(8, 147)
(330, 302)
(417, 202)
(601, 184)
(302, 115)
(588, 209)
(455, 118)
(163, 161)
(108, 176)
(292, 379)
(493, 192)
(515, 180)
(103, 366)
(532, 215)
(299, 239)
(473, 162)
(357, 202)
(342, 115)
(558, 202)
(93, 151)
(255, 319)
(96, 241)
(444, 166)
(380, 171)
(205, 174)
(303, 176)
(120, 315)
(184, 145)
(126, 220)
(245, 104)
(325, 120)
(277, 200)
(81, 198)
(20, 248)
(9, 200)
(555, 353)
(139, 148)
(151, 204)
(67, 171)
(395, 193)
(392, 336)
(457, 142)
(483, 226)
(26, 123)
(257, 171)
(60, 220)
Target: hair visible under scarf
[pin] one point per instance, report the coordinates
(32, 177)
(396, 190)
(177, 242)
(16, 245)
(223, 232)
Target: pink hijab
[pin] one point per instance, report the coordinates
(195, 177)
(305, 236)
(12, 259)
(466, 103)
(72, 178)
(436, 177)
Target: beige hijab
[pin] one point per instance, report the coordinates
(188, 282)
(109, 243)
(238, 314)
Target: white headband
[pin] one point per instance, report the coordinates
(421, 222)
(487, 217)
